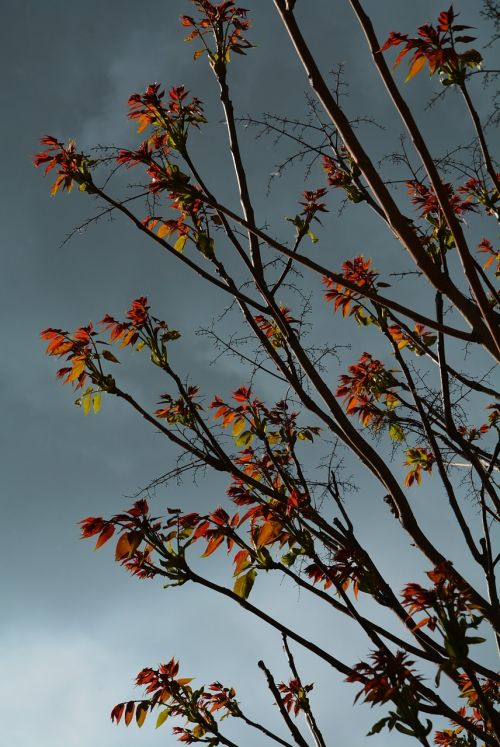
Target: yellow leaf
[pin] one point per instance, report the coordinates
(78, 368)
(243, 585)
(238, 426)
(273, 438)
(163, 230)
(180, 243)
(162, 717)
(86, 404)
(96, 402)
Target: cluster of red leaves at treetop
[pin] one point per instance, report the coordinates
(491, 690)
(342, 172)
(347, 568)
(165, 688)
(78, 349)
(369, 382)
(294, 695)
(85, 357)
(447, 608)
(420, 459)
(486, 247)
(477, 189)
(170, 121)
(226, 22)
(420, 333)
(131, 525)
(312, 204)
(427, 202)
(128, 332)
(272, 329)
(442, 598)
(435, 45)
(385, 678)
(357, 271)
(250, 418)
(72, 166)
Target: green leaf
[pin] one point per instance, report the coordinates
(376, 728)
(162, 717)
(245, 439)
(305, 435)
(205, 245)
(396, 432)
(108, 355)
(475, 639)
(404, 729)
(313, 237)
(243, 585)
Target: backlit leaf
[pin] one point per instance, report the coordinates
(243, 585)
(86, 401)
(269, 533)
(180, 243)
(162, 717)
(129, 712)
(123, 547)
(245, 439)
(238, 427)
(105, 535)
(141, 713)
(396, 432)
(415, 67)
(96, 402)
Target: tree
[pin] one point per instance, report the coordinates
(417, 394)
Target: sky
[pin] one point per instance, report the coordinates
(75, 628)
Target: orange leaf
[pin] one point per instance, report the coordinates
(416, 66)
(77, 369)
(129, 712)
(269, 533)
(421, 623)
(212, 545)
(123, 548)
(141, 713)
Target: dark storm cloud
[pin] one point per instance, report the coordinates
(72, 621)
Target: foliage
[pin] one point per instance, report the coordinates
(407, 393)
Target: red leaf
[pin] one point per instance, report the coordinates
(105, 535)
(212, 545)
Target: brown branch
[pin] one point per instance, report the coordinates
(246, 203)
(488, 314)
(311, 721)
(480, 136)
(309, 645)
(395, 218)
(366, 293)
(292, 728)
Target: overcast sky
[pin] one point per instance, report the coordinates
(75, 628)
